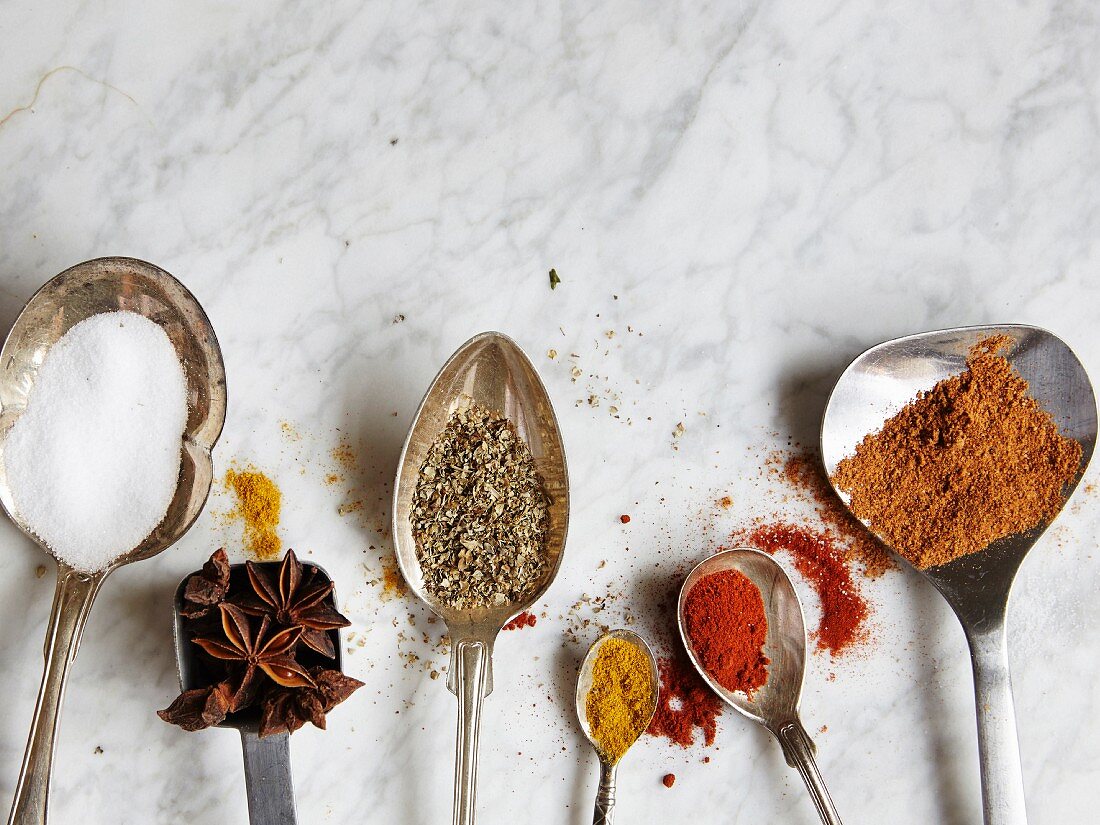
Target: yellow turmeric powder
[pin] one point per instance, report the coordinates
(620, 701)
(258, 505)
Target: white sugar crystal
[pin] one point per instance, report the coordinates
(94, 461)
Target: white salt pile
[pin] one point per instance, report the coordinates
(94, 461)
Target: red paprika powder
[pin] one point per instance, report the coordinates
(821, 562)
(725, 621)
(684, 703)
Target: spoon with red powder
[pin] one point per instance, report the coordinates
(742, 625)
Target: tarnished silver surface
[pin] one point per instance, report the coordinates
(775, 704)
(604, 813)
(492, 371)
(267, 776)
(879, 383)
(90, 288)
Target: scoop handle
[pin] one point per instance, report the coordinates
(798, 749)
(72, 603)
(998, 746)
(605, 796)
(267, 779)
(470, 663)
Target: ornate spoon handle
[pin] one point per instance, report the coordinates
(798, 749)
(72, 602)
(605, 796)
(471, 660)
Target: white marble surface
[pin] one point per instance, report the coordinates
(767, 188)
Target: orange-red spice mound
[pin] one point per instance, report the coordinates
(971, 461)
(724, 618)
(684, 703)
(821, 563)
(524, 619)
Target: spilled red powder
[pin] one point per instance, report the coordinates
(805, 473)
(818, 559)
(684, 703)
(524, 619)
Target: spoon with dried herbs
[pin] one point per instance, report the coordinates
(957, 448)
(258, 650)
(481, 507)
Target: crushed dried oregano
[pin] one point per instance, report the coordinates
(480, 514)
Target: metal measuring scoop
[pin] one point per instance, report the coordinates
(604, 813)
(775, 703)
(491, 371)
(878, 384)
(267, 780)
(90, 288)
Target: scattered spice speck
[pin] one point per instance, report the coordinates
(725, 502)
(524, 619)
(554, 279)
(551, 354)
(669, 780)
(624, 518)
(40, 571)
(678, 430)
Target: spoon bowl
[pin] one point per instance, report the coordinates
(775, 703)
(489, 370)
(91, 288)
(878, 384)
(605, 796)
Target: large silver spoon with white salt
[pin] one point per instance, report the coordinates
(88, 289)
(878, 384)
(491, 371)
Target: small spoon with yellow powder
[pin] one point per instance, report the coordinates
(616, 698)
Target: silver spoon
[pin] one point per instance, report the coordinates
(491, 371)
(104, 285)
(267, 780)
(875, 386)
(775, 703)
(605, 797)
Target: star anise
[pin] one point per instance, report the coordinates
(287, 710)
(200, 708)
(294, 600)
(260, 653)
(205, 589)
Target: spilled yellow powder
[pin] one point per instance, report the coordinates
(392, 581)
(259, 501)
(344, 455)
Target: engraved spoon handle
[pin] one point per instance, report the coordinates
(998, 747)
(267, 779)
(471, 663)
(72, 602)
(799, 752)
(605, 796)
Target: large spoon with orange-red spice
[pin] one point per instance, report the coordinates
(773, 704)
(881, 382)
